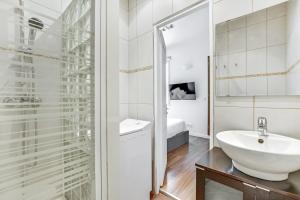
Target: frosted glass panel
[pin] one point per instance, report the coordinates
(217, 191)
(46, 100)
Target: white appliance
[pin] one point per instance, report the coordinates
(136, 170)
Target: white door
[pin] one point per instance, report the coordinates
(160, 110)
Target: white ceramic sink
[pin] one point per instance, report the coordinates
(271, 160)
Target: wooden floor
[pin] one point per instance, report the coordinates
(161, 197)
(180, 178)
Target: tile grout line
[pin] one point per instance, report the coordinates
(135, 70)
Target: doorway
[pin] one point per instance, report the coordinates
(182, 112)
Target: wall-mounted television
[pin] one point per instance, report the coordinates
(182, 91)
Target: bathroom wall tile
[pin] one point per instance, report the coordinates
(144, 17)
(161, 9)
(257, 61)
(133, 111)
(181, 4)
(222, 28)
(233, 118)
(145, 50)
(256, 17)
(123, 23)
(222, 43)
(145, 112)
(276, 85)
(281, 121)
(256, 36)
(124, 4)
(276, 59)
(237, 40)
(257, 86)
(293, 81)
(277, 31)
(277, 11)
(293, 33)
(237, 23)
(229, 9)
(123, 87)
(132, 23)
(259, 4)
(222, 87)
(133, 88)
(123, 111)
(145, 87)
(132, 4)
(283, 102)
(133, 53)
(237, 64)
(140, 1)
(222, 64)
(237, 87)
(234, 101)
(123, 53)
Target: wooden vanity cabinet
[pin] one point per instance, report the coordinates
(217, 167)
(250, 192)
(276, 196)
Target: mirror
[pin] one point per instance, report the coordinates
(259, 54)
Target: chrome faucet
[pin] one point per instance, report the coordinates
(262, 126)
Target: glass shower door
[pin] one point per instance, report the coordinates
(47, 130)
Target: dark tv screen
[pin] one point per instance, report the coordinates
(182, 91)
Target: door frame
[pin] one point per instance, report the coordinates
(157, 81)
(106, 25)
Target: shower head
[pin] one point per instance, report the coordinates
(34, 25)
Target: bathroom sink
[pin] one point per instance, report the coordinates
(270, 157)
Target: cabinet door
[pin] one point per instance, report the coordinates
(276, 196)
(219, 191)
(249, 192)
(262, 193)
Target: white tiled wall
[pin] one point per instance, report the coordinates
(230, 113)
(142, 15)
(250, 45)
(229, 9)
(282, 112)
(123, 58)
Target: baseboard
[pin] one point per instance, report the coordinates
(199, 135)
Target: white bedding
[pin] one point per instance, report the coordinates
(175, 126)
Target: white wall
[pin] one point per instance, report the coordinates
(230, 113)
(242, 112)
(293, 47)
(255, 45)
(142, 16)
(191, 52)
(123, 59)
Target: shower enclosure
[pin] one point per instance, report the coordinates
(47, 132)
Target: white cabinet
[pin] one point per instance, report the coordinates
(135, 159)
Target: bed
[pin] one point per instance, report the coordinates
(177, 134)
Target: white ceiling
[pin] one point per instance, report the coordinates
(188, 27)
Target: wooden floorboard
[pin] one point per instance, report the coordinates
(180, 179)
(161, 197)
